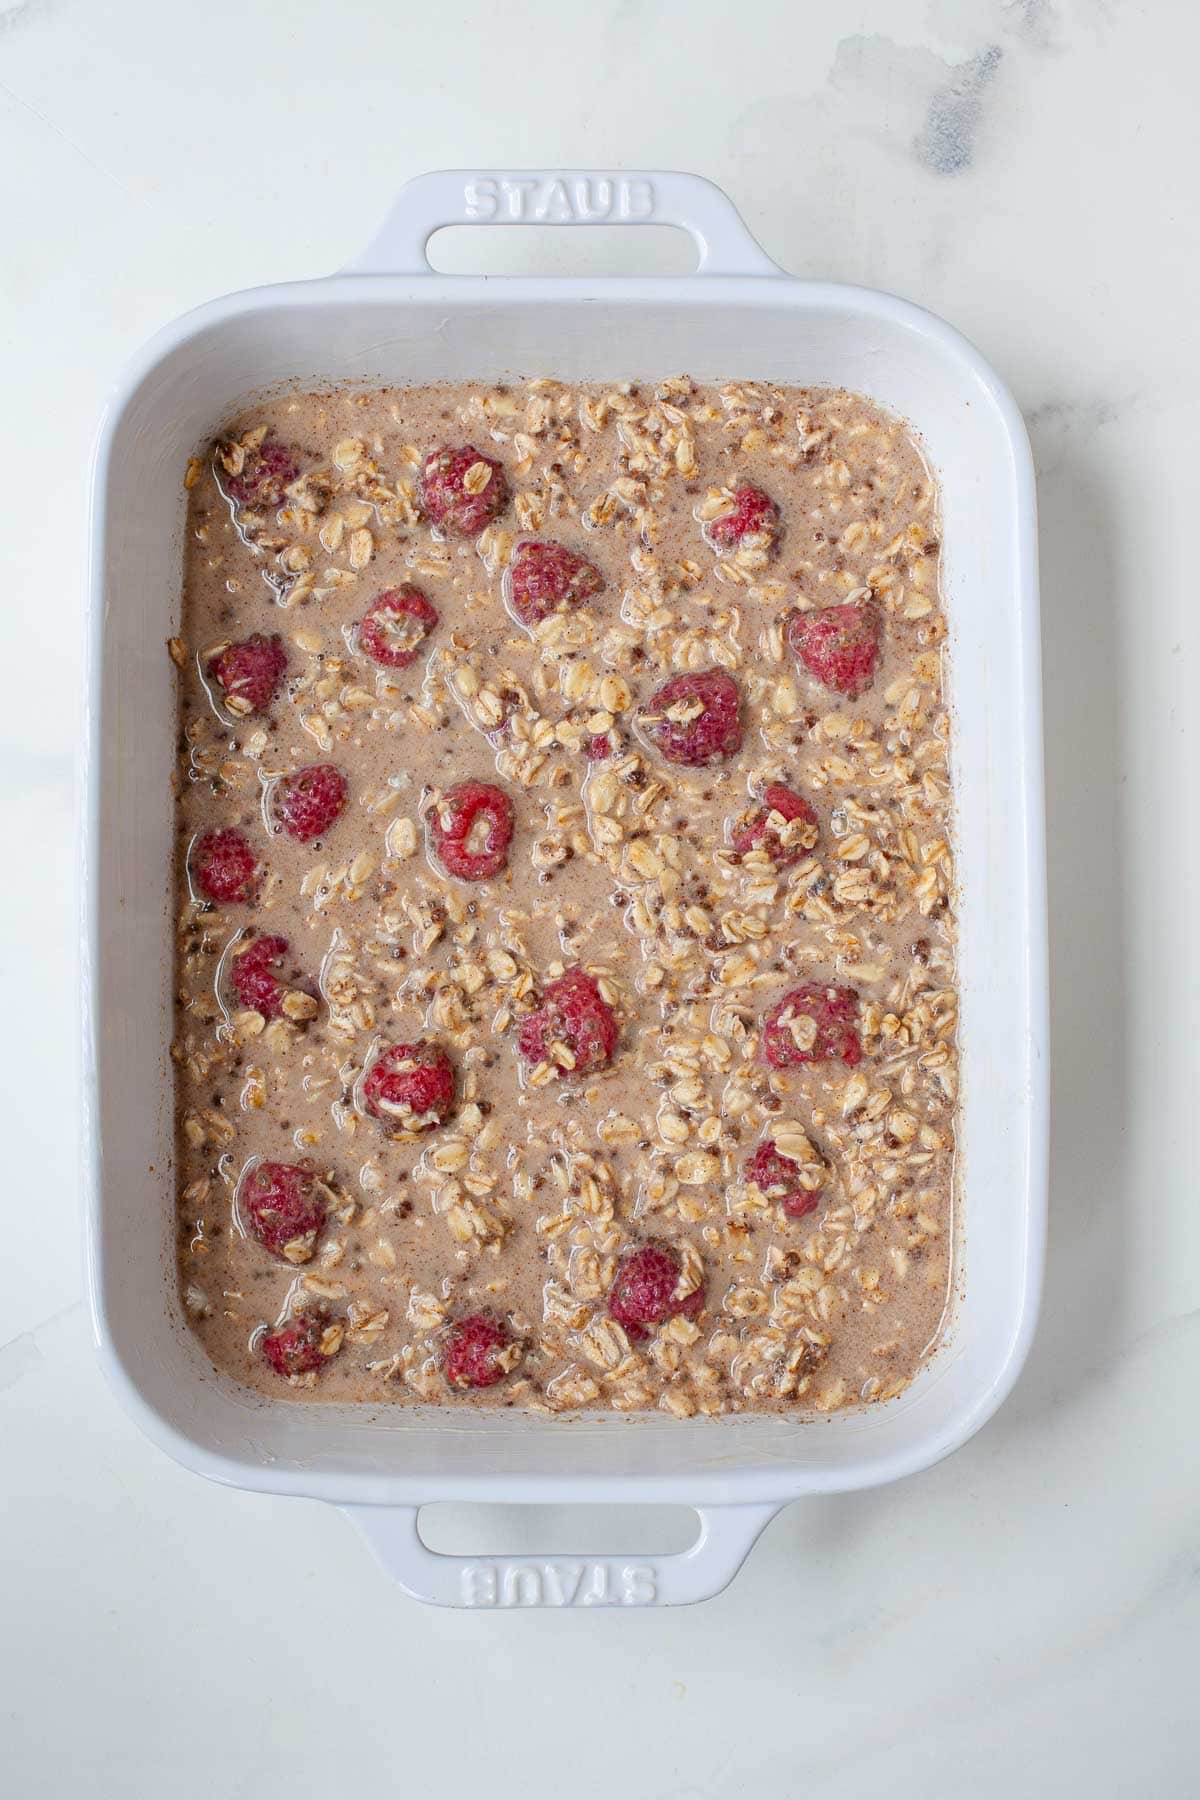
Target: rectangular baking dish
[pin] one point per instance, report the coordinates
(390, 319)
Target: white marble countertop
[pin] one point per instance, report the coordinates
(1025, 1614)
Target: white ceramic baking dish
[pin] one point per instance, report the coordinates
(390, 319)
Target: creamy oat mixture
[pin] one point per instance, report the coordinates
(632, 1085)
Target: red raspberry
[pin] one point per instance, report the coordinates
(395, 626)
(753, 516)
(693, 719)
(643, 1291)
(410, 1088)
(548, 578)
(308, 801)
(253, 977)
(473, 1354)
(779, 1178)
(295, 1348)
(573, 1015)
(755, 831)
(267, 472)
(445, 497)
(250, 672)
(280, 1206)
(599, 748)
(470, 830)
(224, 868)
(839, 645)
(813, 1023)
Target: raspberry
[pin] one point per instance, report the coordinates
(295, 1348)
(753, 518)
(755, 830)
(778, 1176)
(280, 1206)
(410, 1088)
(266, 473)
(395, 625)
(224, 868)
(473, 1357)
(308, 801)
(448, 490)
(839, 645)
(470, 830)
(250, 672)
(574, 1021)
(600, 747)
(810, 1024)
(548, 578)
(643, 1291)
(693, 719)
(253, 976)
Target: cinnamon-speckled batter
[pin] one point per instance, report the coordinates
(522, 1202)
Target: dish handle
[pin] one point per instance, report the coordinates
(727, 1534)
(724, 244)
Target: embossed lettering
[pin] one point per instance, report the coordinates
(589, 206)
(516, 194)
(639, 1585)
(479, 1584)
(557, 201)
(479, 199)
(637, 199)
(554, 205)
(597, 1592)
(559, 1584)
(563, 1581)
(522, 1585)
